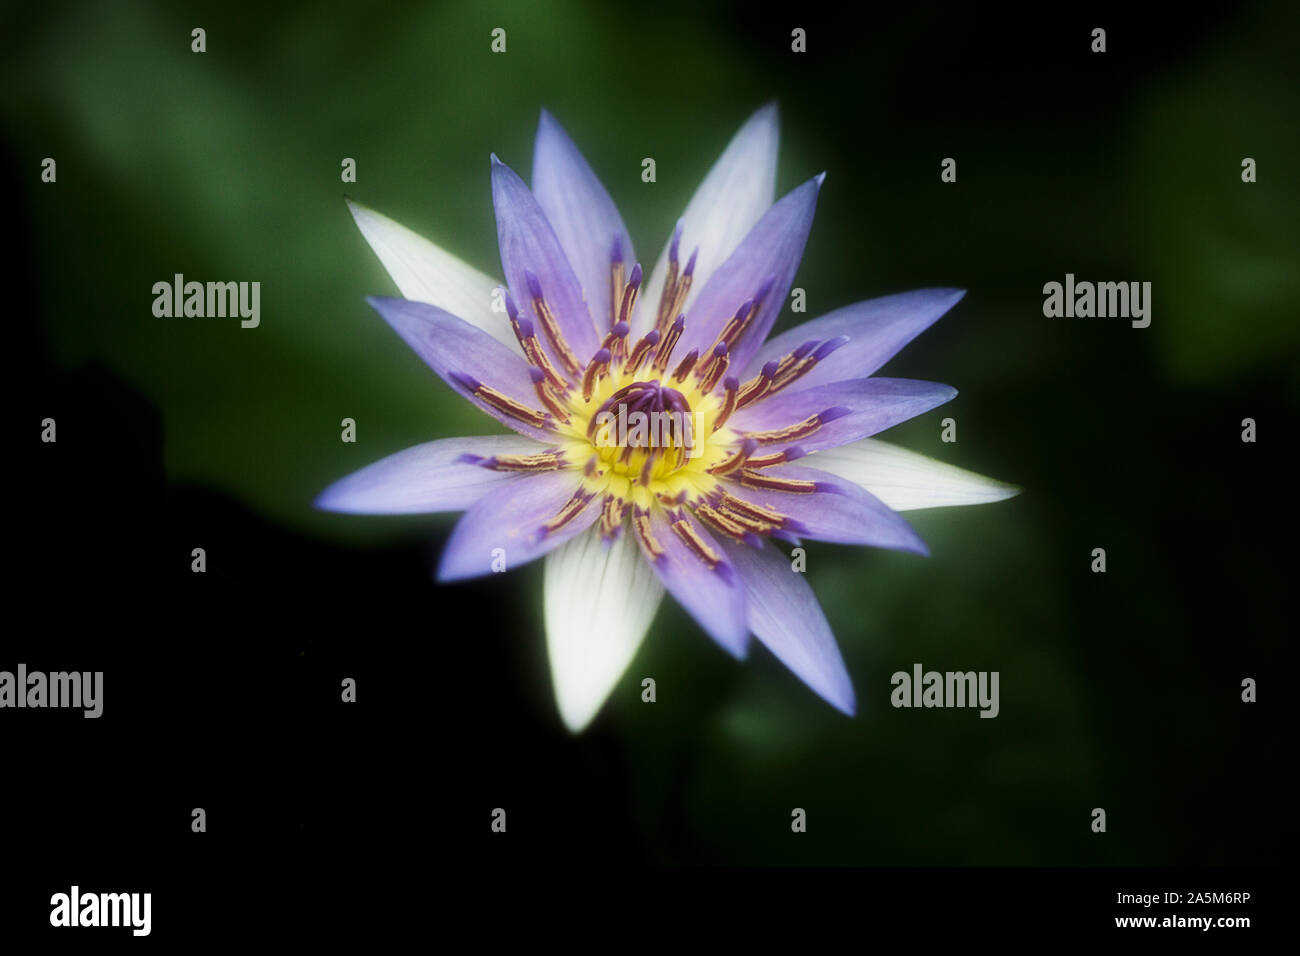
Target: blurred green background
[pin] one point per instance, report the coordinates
(1118, 690)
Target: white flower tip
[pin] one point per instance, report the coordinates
(599, 600)
(1002, 490)
(763, 122)
(376, 228)
(495, 160)
(358, 211)
(576, 714)
(820, 178)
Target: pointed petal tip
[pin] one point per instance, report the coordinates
(575, 719)
(941, 394)
(341, 498)
(445, 574)
(442, 574)
(358, 210)
(769, 112)
(952, 295)
(820, 178)
(842, 698)
(548, 125)
(1007, 490)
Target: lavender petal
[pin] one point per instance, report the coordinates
(714, 597)
(877, 330)
(581, 212)
(505, 525)
(457, 350)
(859, 408)
(434, 476)
(838, 511)
(528, 244)
(784, 614)
(765, 262)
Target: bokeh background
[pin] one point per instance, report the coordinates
(1118, 690)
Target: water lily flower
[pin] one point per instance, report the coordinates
(772, 437)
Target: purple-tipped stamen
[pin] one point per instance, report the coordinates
(665, 350)
(829, 346)
(690, 264)
(597, 368)
(534, 283)
(730, 391)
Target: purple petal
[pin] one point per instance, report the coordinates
(505, 525)
(529, 244)
(426, 478)
(877, 330)
(765, 261)
(458, 351)
(715, 597)
(858, 408)
(581, 212)
(784, 614)
(838, 511)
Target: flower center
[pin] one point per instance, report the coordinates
(646, 435)
(648, 431)
(647, 427)
(643, 427)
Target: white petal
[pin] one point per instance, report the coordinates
(425, 273)
(904, 480)
(600, 601)
(734, 195)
